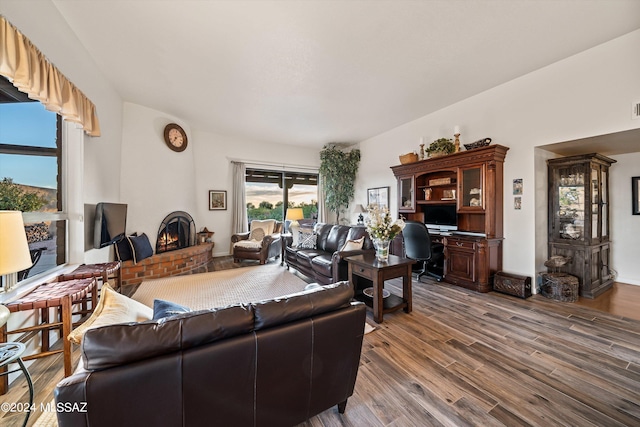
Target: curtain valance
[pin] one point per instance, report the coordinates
(30, 71)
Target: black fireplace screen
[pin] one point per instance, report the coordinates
(176, 231)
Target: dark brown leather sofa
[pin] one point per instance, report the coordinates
(326, 263)
(272, 363)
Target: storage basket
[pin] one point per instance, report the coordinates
(408, 158)
(560, 287)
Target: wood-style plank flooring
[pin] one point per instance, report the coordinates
(468, 359)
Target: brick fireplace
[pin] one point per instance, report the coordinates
(177, 231)
(193, 259)
(176, 253)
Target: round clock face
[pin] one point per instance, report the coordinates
(175, 137)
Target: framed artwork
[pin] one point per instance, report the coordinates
(517, 203)
(635, 195)
(378, 197)
(217, 200)
(517, 187)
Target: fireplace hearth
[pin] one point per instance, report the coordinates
(176, 231)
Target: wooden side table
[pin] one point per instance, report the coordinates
(60, 295)
(368, 267)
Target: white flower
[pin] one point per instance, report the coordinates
(380, 225)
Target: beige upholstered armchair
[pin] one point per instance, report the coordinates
(261, 243)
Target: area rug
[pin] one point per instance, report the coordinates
(46, 418)
(221, 288)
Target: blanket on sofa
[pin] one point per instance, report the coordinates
(221, 288)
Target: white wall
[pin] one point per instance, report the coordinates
(154, 180)
(585, 95)
(626, 227)
(213, 155)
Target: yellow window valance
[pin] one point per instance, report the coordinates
(30, 71)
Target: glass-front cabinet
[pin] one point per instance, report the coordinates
(579, 218)
(406, 194)
(471, 188)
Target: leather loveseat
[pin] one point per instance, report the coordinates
(325, 262)
(272, 363)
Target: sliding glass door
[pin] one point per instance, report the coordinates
(269, 192)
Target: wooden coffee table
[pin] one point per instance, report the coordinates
(368, 267)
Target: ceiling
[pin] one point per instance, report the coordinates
(311, 72)
(607, 145)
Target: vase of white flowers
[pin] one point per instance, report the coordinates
(382, 229)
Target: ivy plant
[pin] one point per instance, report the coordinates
(338, 169)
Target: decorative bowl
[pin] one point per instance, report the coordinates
(369, 292)
(557, 261)
(478, 144)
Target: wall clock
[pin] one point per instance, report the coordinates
(175, 137)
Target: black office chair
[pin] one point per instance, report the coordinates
(418, 246)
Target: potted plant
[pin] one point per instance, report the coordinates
(441, 147)
(338, 170)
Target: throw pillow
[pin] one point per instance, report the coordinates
(257, 234)
(306, 240)
(353, 245)
(312, 286)
(268, 225)
(112, 308)
(140, 247)
(162, 308)
(123, 249)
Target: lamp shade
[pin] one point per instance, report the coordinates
(360, 209)
(295, 214)
(14, 249)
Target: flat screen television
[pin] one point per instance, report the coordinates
(110, 224)
(440, 217)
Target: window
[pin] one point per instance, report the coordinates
(268, 192)
(31, 175)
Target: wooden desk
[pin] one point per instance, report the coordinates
(368, 267)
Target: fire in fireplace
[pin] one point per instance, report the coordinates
(176, 231)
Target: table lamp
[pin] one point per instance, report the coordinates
(14, 249)
(293, 215)
(360, 210)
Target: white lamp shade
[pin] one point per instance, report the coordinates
(14, 249)
(295, 214)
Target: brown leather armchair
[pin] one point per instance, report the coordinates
(246, 246)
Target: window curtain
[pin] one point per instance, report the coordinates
(30, 71)
(322, 208)
(239, 212)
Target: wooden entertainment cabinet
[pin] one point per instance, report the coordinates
(472, 181)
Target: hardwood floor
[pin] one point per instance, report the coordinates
(468, 359)
(621, 299)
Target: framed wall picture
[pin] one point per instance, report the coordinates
(517, 187)
(217, 200)
(635, 195)
(378, 197)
